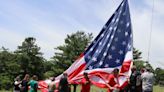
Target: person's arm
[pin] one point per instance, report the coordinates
(106, 83)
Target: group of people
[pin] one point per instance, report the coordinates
(23, 85)
(141, 81)
(64, 85)
(138, 81)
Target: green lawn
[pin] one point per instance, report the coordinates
(158, 89)
(96, 89)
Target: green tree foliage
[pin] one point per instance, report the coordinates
(74, 45)
(30, 58)
(159, 76)
(136, 54)
(138, 62)
(8, 68)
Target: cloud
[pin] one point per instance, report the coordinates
(50, 21)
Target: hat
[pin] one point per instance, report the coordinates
(148, 68)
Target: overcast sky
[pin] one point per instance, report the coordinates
(49, 21)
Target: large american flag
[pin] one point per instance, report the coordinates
(111, 49)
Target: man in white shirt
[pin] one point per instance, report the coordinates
(147, 80)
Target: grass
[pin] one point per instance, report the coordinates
(158, 89)
(96, 89)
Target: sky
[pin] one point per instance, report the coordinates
(49, 21)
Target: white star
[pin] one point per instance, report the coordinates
(126, 33)
(101, 62)
(117, 61)
(113, 48)
(108, 45)
(127, 24)
(108, 36)
(116, 39)
(102, 35)
(129, 46)
(94, 59)
(97, 51)
(122, 4)
(109, 56)
(120, 11)
(89, 57)
(131, 35)
(115, 28)
(91, 49)
(113, 20)
(100, 43)
(104, 54)
(112, 36)
(106, 65)
(123, 43)
(90, 67)
(120, 52)
(110, 28)
(117, 19)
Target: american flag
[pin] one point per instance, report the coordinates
(111, 49)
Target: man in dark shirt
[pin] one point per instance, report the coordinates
(24, 83)
(63, 84)
(134, 80)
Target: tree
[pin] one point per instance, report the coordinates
(30, 58)
(136, 54)
(159, 73)
(8, 68)
(138, 62)
(74, 45)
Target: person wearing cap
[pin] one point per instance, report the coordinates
(147, 80)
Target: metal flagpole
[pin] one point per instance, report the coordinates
(151, 28)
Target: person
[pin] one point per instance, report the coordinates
(33, 84)
(86, 83)
(133, 80)
(147, 80)
(17, 84)
(51, 86)
(63, 84)
(113, 82)
(24, 83)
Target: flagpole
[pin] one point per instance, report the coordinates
(151, 29)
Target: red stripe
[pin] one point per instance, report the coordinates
(77, 71)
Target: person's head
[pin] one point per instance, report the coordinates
(53, 79)
(34, 77)
(85, 75)
(142, 70)
(65, 74)
(17, 78)
(27, 77)
(115, 71)
(133, 68)
(148, 69)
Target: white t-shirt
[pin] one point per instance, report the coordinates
(147, 81)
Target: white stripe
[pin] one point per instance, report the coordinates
(75, 65)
